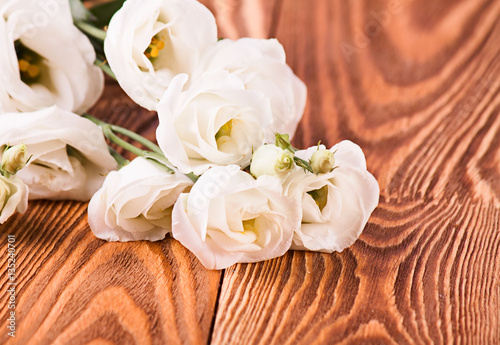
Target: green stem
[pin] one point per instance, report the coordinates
(91, 30)
(94, 120)
(128, 133)
(108, 133)
(155, 156)
(192, 176)
(157, 159)
(120, 160)
(105, 67)
(139, 138)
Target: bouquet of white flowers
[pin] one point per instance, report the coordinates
(224, 179)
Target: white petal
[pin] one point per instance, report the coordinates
(16, 198)
(186, 27)
(360, 193)
(209, 220)
(189, 122)
(51, 172)
(135, 203)
(68, 76)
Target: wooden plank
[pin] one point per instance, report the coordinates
(73, 288)
(421, 96)
(420, 92)
(244, 18)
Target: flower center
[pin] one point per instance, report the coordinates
(153, 50)
(320, 196)
(249, 225)
(223, 135)
(29, 63)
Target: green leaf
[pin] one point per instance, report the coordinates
(80, 12)
(105, 11)
(302, 164)
(91, 30)
(283, 141)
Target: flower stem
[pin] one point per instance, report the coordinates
(91, 30)
(192, 176)
(155, 156)
(102, 64)
(120, 160)
(108, 133)
(128, 133)
(158, 159)
(139, 138)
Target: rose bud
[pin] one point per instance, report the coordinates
(14, 158)
(322, 161)
(271, 160)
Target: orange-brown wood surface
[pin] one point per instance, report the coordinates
(417, 85)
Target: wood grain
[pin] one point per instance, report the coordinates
(245, 18)
(417, 85)
(420, 92)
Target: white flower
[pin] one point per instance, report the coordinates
(13, 197)
(149, 42)
(215, 122)
(229, 217)
(261, 66)
(70, 157)
(335, 205)
(272, 160)
(135, 203)
(45, 59)
(14, 158)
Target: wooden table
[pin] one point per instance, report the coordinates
(417, 85)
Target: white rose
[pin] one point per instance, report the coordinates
(261, 65)
(272, 160)
(229, 217)
(13, 197)
(335, 205)
(69, 156)
(45, 59)
(149, 42)
(215, 122)
(135, 203)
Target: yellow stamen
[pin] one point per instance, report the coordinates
(225, 130)
(249, 225)
(223, 135)
(33, 71)
(30, 63)
(154, 51)
(23, 65)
